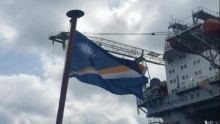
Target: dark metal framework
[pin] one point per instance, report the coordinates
(203, 13)
(118, 48)
(193, 37)
(129, 51)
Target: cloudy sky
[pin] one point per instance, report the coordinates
(31, 67)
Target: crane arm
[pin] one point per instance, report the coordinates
(138, 54)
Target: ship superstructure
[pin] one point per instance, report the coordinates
(192, 90)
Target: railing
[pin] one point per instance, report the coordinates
(173, 21)
(178, 21)
(200, 8)
(189, 25)
(170, 34)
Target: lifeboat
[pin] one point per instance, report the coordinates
(178, 46)
(211, 26)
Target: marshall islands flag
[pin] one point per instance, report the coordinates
(93, 65)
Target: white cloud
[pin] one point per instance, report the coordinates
(27, 96)
(28, 99)
(52, 66)
(8, 33)
(101, 109)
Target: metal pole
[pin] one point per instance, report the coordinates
(73, 14)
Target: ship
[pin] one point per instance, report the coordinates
(191, 93)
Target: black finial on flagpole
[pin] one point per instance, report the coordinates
(75, 13)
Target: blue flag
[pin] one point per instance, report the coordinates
(93, 65)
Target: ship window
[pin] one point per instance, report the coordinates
(181, 67)
(210, 68)
(171, 61)
(196, 73)
(194, 62)
(169, 71)
(173, 70)
(197, 94)
(171, 81)
(184, 56)
(168, 61)
(192, 96)
(198, 61)
(185, 66)
(200, 72)
(180, 57)
(174, 80)
(187, 76)
(174, 91)
(183, 77)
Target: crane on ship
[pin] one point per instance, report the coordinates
(140, 55)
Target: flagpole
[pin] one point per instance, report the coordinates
(73, 14)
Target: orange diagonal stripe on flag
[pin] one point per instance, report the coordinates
(86, 69)
(117, 69)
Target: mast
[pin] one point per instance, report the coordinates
(73, 14)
